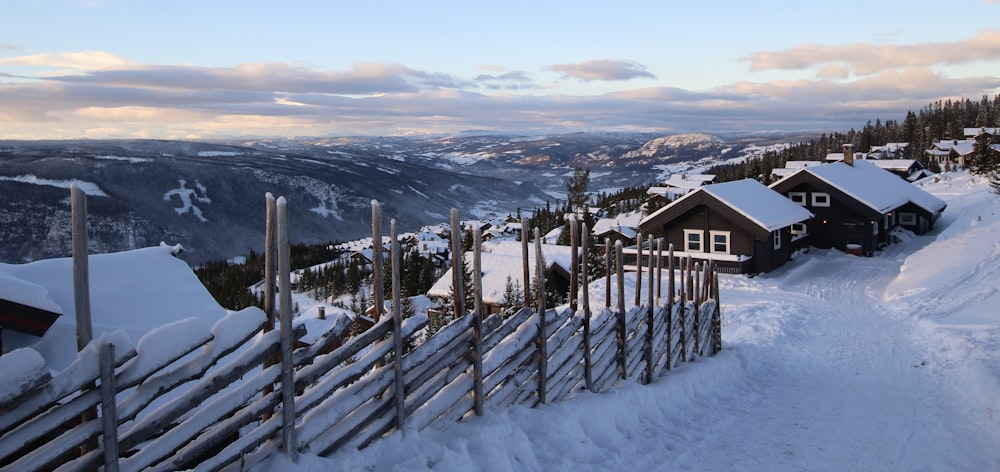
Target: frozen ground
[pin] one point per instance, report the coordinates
(832, 363)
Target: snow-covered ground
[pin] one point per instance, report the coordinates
(833, 362)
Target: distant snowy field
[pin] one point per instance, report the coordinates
(834, 362)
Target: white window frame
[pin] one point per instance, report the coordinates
(800, 229)
(712, 243)
(776, 236)
(700, 240)
(798, 197)
(907, 218)
(825, 197)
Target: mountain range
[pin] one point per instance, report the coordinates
(209, 196)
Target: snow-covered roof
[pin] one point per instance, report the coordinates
(963, 147)
(762, 206)
(894, 164)
(873, 186)
(502, 259)
(973, 132)
(801, 164)
(135, 291)
(765, 207)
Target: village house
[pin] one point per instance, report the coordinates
(677, 186)
(742, 226)
(951, 153)
(501, 259)
(622, 228)
(888, 151)
(856, 204)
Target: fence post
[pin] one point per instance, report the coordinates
(81, 267)
(525, 264)
(659, 270)
(651, 307)
(670, 306)
(397, 329)
(377, 267)
(543, 348)
(716, 316)
(574, 278)
(81, 286)
(109, 411)
(607, 273)
(457, 268)
(477, 322)
(696, 294)
(270, 272)
(270, 259)
(638, 269)
(622, 335)
(588, 373)
(285, 319)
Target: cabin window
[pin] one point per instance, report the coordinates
(799, 229)
(907, 218)
(820, 199)
(798, 197)
(692, 240)
(720, 242)
(776, 234)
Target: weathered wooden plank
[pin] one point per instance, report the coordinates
(508, 369)
(359, 418)
(508, 326)
(333, 334)
(83, 371)
(568, 355)
(228, 334)
(421, 393)
(25, 372)
(109, 424)
(502, 395)
(208, 386)
(423, 353)
(524, 334)
(337, 406)
(454, 352)
(18, 438)
(215, 422)
(323, 364)
(446, 398)
(169, 438)
(247, 442)
(574, 382)
(338, 378)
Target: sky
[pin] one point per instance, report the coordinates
(202, 70)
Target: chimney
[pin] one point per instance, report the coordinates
(849, 154)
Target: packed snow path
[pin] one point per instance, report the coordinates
(832, 363)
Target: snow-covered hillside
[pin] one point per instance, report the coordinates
(833, 362)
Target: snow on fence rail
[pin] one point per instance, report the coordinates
(186, 396)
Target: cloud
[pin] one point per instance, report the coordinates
(605, 69)
(80, 61)
(10, 47)
(865, 59)
(268, 99)
(513, 80)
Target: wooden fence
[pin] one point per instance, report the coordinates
(187, 397)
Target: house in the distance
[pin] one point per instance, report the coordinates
(952, 152)
(856, 204)
(679, 185)
(742, 226)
